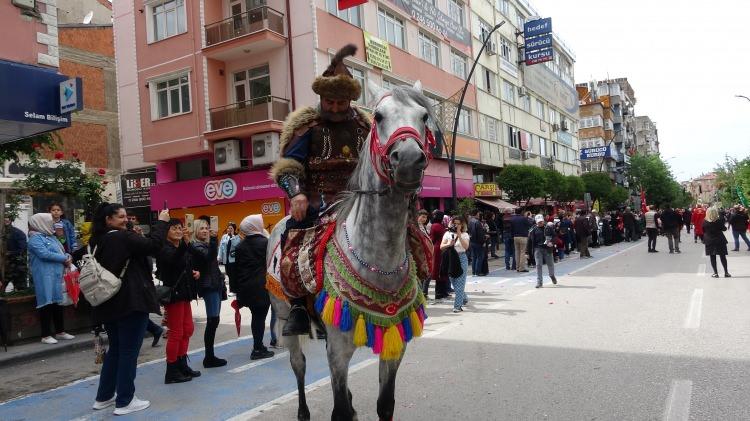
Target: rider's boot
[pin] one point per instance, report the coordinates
(299, 321)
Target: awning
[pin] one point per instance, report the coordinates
(498, 204)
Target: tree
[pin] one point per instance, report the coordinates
(616, 197)
(653, 175)
(31, 146)
(554, 185)
(574, 189)
(598, 184)
(522, 182)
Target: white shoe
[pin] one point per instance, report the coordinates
(65, 336)
(49, 340)
(106, 404)
(134, 406)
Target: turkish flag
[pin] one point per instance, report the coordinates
(345, 4)
(644, 207)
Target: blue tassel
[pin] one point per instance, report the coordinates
(424, 312)
(321, 302)
(370, 335)
(346, 318)
(407, 329)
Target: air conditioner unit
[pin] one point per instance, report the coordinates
(265, 148)
(564, 125)
(491, 48)
(227, 155)
(555, 127)
(522, 91)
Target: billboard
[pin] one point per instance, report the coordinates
(136, 188)
(537, 46)
(597, 152)
(551, 87)
(429, 16)
(377, 51)
(539, 56)
(537, 27)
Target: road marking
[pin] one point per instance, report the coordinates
(502, 281)
(615, 253)
(678, 402)
(701, 270)
(246, 367)
(525, 293)
(693, 319)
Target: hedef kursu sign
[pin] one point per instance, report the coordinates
(537, 36)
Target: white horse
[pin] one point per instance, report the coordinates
(375, 212)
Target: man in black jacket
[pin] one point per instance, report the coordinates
(583, 234)
(628, 220)
(738, 221)
(519, 227)
(477, 238)
(687, 218)
(671, 221)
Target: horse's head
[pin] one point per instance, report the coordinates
(400, 140)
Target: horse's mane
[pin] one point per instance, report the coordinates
(363, 177)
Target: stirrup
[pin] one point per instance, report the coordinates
(298, 322)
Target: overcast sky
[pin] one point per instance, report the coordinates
(686, 60)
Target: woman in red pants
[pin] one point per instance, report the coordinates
(175, 270)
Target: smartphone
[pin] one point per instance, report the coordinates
(165, 205)
(189, 219)
(214, 224)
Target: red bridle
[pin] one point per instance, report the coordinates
(379, 154)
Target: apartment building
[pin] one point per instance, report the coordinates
(204, 88)
(527, 114)
(703, 188)
(646, 136)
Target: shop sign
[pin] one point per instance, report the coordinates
(378, 52)
(429, 16)
(271, 208)
(539, 56)
(220, 189)
(598, 152)
(70, 95)
(486, 190)
(136, 189)
(537, 27)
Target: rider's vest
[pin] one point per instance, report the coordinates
(333, 155)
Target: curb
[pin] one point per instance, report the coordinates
(46, 352)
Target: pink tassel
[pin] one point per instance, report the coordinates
(377, 347)
(337, 312)
(401, 332)
(420, 314)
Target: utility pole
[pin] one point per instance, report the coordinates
(452, 159)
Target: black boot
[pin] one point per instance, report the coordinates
(186, 368)
(261, 353)
(210, 361)
(299, 321)
(174, 374)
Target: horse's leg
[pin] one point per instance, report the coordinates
(340, 349)
(386, 400)
(298, 362)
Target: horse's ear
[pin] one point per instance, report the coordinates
(418, 86)
(376, 92)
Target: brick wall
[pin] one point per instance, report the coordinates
(93, 82)
(97, 40)
(89, 140)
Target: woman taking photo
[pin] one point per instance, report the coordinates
(250, 280)
(714, 240)
(175, 263)
(227, 246)
(458, 238)
(125, 316)
(56, 210)
(210, 286)
(47, 261)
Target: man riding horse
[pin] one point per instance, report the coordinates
(320, 148)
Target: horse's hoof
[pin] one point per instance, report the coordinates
(303, 414)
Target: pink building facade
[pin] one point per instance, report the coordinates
(204, 88)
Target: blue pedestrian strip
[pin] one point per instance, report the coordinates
(219, 394)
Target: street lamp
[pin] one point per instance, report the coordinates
(742, 96)
(452, 162)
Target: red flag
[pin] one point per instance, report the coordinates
(644, 207)
(237, 316)
(345, 4)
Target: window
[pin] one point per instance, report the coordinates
(390, 28)
(503, 6)
(429, 49)
(252, 84)
(167, 19)
(492, 130)
(487, 80)
(526, 103)
(458, 64)
(484, 30)
(594, 121)
(170, 96)
(506, 51)
(607, 124)
(464, 121)
(540, 109)
(513, 137)
(554, 149)
(359, 76)
(351, 15)
(520, 20)
(456, 11)
(542, 146)
(192, 169)
(509, 92)
(553, 116)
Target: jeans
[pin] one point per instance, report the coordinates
(272, 325)
(652, 234)
(520, 245)
(493, 245)
(180, 324)
(51, 313)
(212, 300)
(673, 239)
(543, 254)
(737, 235)
(477, 252)
(459, 284)
(119, 368)
(510, 255)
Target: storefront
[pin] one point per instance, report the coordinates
(489, 195)
(437, 191)
(228, 198)
(135, 190)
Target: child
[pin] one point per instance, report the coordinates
(60, 234)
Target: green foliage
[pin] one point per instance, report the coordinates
(574, 189)
(616, 198)
(465, 206)
(653, 175)
(522, 182)
(31, 146)
(598, 184)
(729, 175)
(554, 184)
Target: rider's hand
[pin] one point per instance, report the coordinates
(299, 207)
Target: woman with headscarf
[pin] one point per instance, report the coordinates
(48, 260)
(714, 240)
(250, 279)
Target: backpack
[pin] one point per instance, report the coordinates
(97, 283)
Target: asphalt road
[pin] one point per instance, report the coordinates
(627, 335)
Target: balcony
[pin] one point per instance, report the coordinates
(259, 115)
(257, 30)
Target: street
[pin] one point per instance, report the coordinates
(626, 335)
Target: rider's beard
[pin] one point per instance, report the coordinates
(335, 117)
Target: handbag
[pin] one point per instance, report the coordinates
(164, 293)
(97, 283)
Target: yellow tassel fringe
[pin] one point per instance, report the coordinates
(360, 332)
(328, 312)
(416, 326)
(392, 344)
